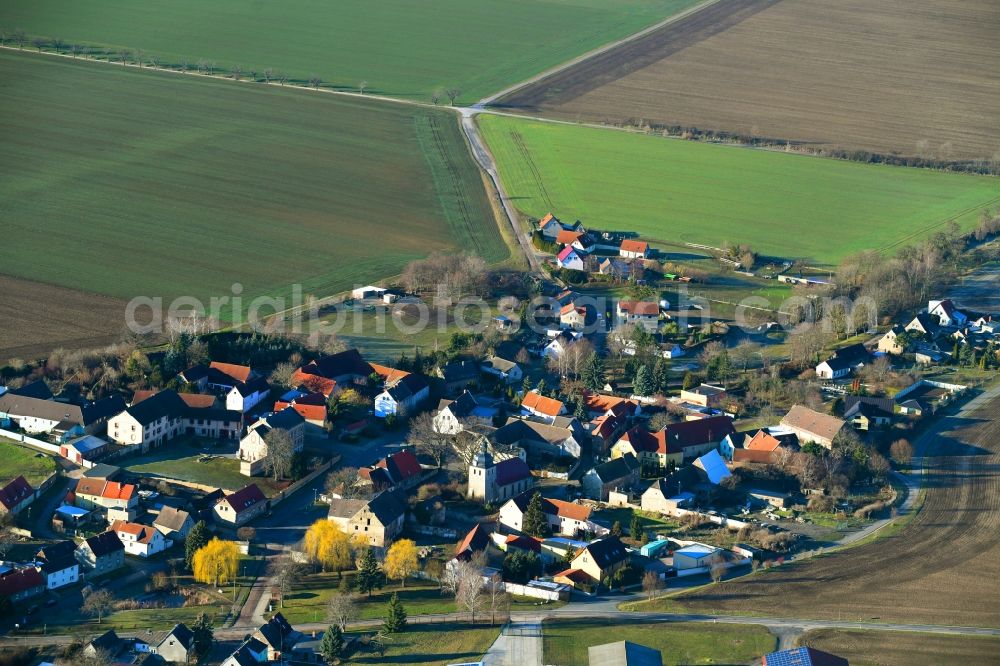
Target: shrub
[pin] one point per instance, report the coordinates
(821, 503)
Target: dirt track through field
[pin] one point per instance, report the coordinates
(916, 77)
(940, 569)
(36, 318)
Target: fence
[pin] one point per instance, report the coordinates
(555, 594)
(304, 481)
(30, 441)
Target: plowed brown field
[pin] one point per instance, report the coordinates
(942, 568)
(36, 318)
(916, 77)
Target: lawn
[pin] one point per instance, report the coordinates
(647, 521)
(400, 47)
(566, 641)
(672, 191)
(17, 460)
(170, 463)
(125, 182)
(434, 645)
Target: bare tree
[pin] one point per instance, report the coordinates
(466, 445)
(717, 568)
(436, 97)
(453, 94)
(184, 66)
(268, 74)
(282, 78)
(315, 82)
(651, 584)
(499, 600)
(426, 441)
(901, 451)
(342, 482)
(38, 43)
(20, 38)
(154, 62)
(58, 43)
(124, 55)
(362, 86)
(341, 609)
(98, 603)
(237, 72)
(99, 657)
(280, 452)
(468, 583)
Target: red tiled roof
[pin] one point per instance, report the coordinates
(142, 533)
(19, 580)
(389, 375)
(545, 220)
(542, 404)
(245, 498)
(15, 492)
(193, 400)
(691, 433)
(306, 411)
(314, 382)
(635, 246)
(524, 543)
(753, 456)
(403, 462)
(573, 575)
(596, 402)
(762, 441)
(476, 539)
(567, 237)
(120, 491)
(639, 308)
(240, 373)
(571, 510)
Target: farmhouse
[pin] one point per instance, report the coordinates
(140, 540)
(58, 565)
(164, 415)
(618, 473)
(565, 518)
(397, 470)
(601, 558)
(241, 507)
(536, 404)
(634, 249)
(704, 395)
(508, 372)
(812, 426)
(492, 482)
(676, 443)
(310, 406)
(865, 413)
(120, 500)
(946, 313)
(539, 438)
(36, 415)
(16, 496)
(244, 396)
(330, 374)
(843, 362)
(402, 393)
(101, 553)
(641, 313)
(378, 520)
(253, 445)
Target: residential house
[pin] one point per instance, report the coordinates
(508, 372)
(244, 396)
(177, 646)
(712, 468)
(379, 520)
(601, 558)
(616, 268)
(576, 238)
(101, 553)
(634, 249)
(119, 500)
(192, 400)
(310, 406)
(251, 653)
(397, 470)
(458, 375)
(812, 426)
(539, 438)
(164, 415)
(550, 226)
(761, 447)
(239, 508)
(140, 540)
(890, 342)
(704, 395)
(573, 317)
(253, 445)
(802, 656)
(560, 343)
(598, 404)
(493, 482)
(866, 413)
(566, 518)
(528, 544)
(620, 472)
(403, 397)
(16, 496)
(623, 653)
(477, 539)
(35, 415)
(665, 496)
(18, 584)
(843, 362)
(572, 258)
(333, 373)
(924, 324)
(451, 413)
(946, 313)
(535, 404)
(676, 442)
(58, 564)
(173, 523)
(88, 447)
(640, 313)
(107, 645)
(278, 636)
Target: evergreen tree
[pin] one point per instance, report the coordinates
(535, 522)
(635, 529)
(660, 375)
(688, 381)
(395, 621)
(643, 384)
(346, 584)
(540, 386)
(332, 644)
(616, 528)
(581, 410)
(369, 574)
(593, 372)
(526, 384)
(203, 635)
(197, 539)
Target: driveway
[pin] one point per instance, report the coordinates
(519, 644)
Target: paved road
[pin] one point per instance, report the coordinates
(519, 644)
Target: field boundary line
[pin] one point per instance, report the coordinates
(673, 18)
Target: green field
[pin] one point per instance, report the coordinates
(171, 463)
(17, 460)
(566, 641)
(781, 204)
(123, 182)
(400, 47)
(433, 645)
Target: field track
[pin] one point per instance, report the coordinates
(941, 568)
(915, 78)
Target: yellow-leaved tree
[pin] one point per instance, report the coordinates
(401, 561)
(328, 545)
(216, 562)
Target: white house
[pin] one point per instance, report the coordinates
(946, 313)
(405, 395)
(560, 342)
(451, 413)
(508, 371)
(140, 540)
(370, 291)
(58, 564)
(634, 249)
(843, 362)
(566, 518)
(246, 395)
(571, 258)
(253, 445)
